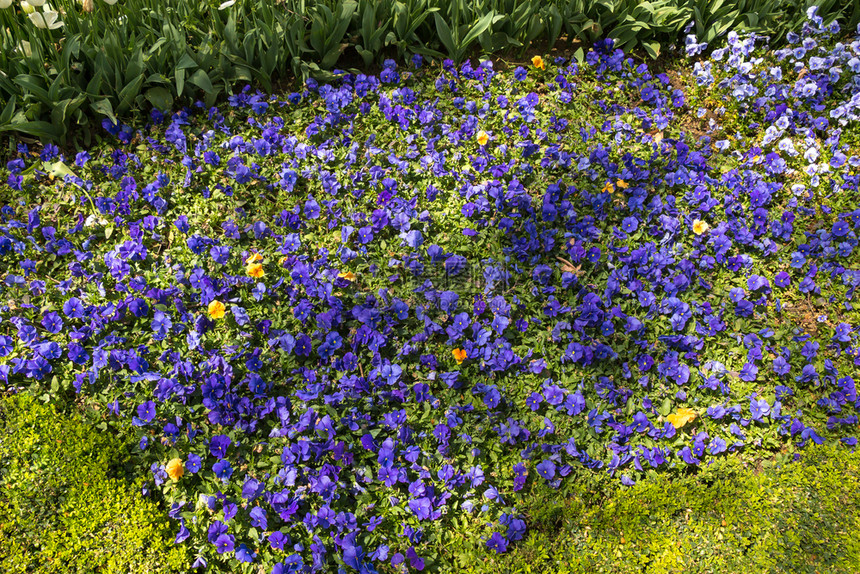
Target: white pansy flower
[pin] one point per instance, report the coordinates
(94, 220)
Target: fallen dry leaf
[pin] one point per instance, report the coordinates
(568, 267)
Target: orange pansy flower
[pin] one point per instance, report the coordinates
(175, 470)
(255, 270)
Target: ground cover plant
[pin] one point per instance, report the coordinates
(727, 518)
(353, 324)
(66, 506)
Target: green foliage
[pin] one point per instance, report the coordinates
(123, 58)
(62, 510)
(729, 518)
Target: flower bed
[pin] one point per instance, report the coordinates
(350, 322)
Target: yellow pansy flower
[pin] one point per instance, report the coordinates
(682, 417)
(216, 309)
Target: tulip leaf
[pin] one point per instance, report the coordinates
(33, 85)
(652, 48)
(202, 81)
(445, 35)
(160, 98)
(34, 128)
(105, 108)
(58, 169)
(129, 93)
(64, 109)
(8, 110)
(180, 81)
(186, 62)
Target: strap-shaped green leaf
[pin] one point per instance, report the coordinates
(445, 35)
(33, 85)
(8, 110)
(160, 98)
(476, 30)
(38, 129)
(202, 81)
(105, 108)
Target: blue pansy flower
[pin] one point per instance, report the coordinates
(223, 470)
(546, 469)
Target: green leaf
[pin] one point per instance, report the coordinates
(180, 81)
(344, 18)
(160, 98)
(8, 111)
(35, 128)
(54, 90)
(330, 58)
(63, 111)
(186, 62)
(35, 86)
(652, 48)
(270, 59)
(477, 30)
(58, 169)
(129, 93)
(95, 85)
(445, 35)
(752, 19)
(555, 24)
(158, 44)
(135, 66)
(202, 81)
(105, 108)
